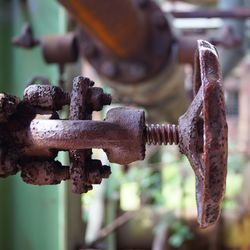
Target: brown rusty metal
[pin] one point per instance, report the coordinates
(60, 49)
(36, 162)
(30, 145)
(8, 105)
(202, 135)
(236, 13)
(46, 97)
(122, 128)
(162, 134)
(44, 172)
(129, 46)
(212, 163)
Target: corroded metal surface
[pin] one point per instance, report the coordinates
(84, 100)
(122, 128)
(131, 128)
(44, 173)
(203, 135)
(46, 97)
(8, 105)
(29, 143)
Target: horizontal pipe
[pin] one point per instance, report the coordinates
(73, 135)
(118, 25)
(237, 13)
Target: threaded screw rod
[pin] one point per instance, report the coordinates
(162, 134)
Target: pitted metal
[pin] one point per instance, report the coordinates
(29, 143)
(202, 134)
(84, 100)
(46, 97)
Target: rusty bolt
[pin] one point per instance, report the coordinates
(97, 99)
(46, 97)
(44, 172)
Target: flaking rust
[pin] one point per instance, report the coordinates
(202, 135)
(32, 133)
(208, 127)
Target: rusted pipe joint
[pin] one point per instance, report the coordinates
(132, 135)
(127, 56)
(60, 49)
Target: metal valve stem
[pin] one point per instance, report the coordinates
(162, 134)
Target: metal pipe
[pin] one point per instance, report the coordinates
(74, 134)
(236, 13)
(119, 25)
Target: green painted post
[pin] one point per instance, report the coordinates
(31, 217)
(5, 77)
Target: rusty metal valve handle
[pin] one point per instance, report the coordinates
(29, 144)
(202, 134)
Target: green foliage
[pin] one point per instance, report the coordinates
(180, 233)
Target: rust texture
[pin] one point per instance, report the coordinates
(37, 141)
(203, 135)
(30, 145)
(80, 159)
(46, 97)
(8, 105)
(31, 134)
(44, 173)
(129, 46)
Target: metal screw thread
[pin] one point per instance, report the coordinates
(162, 134)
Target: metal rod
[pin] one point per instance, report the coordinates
(237, 13)
(67, 134)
